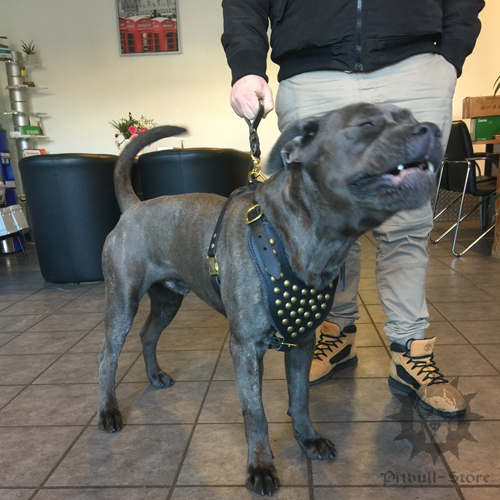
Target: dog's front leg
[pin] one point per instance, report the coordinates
(297, 364)
(248, 366)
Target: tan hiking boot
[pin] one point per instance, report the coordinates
(413, 370)
(335, 351)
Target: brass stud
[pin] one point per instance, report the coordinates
(294, 335)
(282, 275)
(288, 305)
(272, 241)
(298, 321)
(330, 285)
(311, 302)
(323, 306)
(293, 300)
(303, 302)
(327, 296)
(313, 291)
(276, 290)
(212, 245)
(281, 312)
(285, 321)
(278, 302)
(310, 324)
(293, 314)
(275, 252)
(304, 291)
(320, 297)
(286, 295)
(317, 315)
(300, 310)
(295, 288)
(307, 314)
(302, 329)
(215, 235)
(289, 329)
(314, 308)
(286, 283)
(273, 279)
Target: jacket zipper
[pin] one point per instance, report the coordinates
(358, 66)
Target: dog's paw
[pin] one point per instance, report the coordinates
(262, 480)
(160, 380)
(110, 420)
(319, 449)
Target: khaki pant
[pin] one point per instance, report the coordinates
(424, 84)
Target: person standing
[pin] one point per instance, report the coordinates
(332, 53)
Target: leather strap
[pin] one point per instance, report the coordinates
(213, 267)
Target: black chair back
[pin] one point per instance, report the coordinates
(459, 143)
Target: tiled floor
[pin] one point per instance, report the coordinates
(187, 442)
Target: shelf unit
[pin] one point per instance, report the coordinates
(20, 110)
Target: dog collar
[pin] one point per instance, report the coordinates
(295, 308)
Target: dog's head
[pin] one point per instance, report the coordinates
(378, 157)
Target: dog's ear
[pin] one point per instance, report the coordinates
(291, 143)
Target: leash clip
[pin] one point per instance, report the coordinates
(256, 172)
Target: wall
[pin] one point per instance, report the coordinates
(91, 84)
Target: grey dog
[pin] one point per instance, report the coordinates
(333, 178)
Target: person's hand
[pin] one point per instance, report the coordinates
(246, 94)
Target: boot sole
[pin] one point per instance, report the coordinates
(341, 366)
(410, 392)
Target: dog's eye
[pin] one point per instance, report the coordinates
(367, 123)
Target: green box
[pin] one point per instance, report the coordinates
(485, 128)
(30, 130)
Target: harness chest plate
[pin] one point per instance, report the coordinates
(295, 308)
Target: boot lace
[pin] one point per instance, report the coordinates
(325, 345)
(428, 366)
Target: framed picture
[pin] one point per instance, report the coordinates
(148, 27)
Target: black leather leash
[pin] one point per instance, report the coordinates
(254, 174)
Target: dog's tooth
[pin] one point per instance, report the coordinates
(401, 167)
(430, 166)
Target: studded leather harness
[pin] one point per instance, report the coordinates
(295, 308)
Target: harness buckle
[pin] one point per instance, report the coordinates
(213, 267)
(249, 219)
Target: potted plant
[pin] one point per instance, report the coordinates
(29, 51)
(129, 128)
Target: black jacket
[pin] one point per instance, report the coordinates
(345, 35)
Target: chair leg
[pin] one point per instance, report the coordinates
(440, 213)
(21, 245)
(473, 243)
(460, 219)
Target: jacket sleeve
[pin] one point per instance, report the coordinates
(461, 27)
(245, 39)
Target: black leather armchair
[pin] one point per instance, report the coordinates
(72, 208)
(197, 170)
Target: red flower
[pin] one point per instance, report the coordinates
(132, 129)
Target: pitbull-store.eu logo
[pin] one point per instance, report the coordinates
(430, 433)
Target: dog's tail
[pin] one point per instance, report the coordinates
(122, 175)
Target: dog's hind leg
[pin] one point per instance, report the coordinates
(164, 305)
(298, 364)
(121, 307)
(261, 477)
